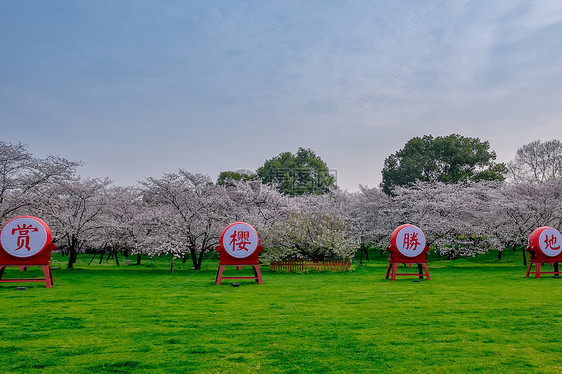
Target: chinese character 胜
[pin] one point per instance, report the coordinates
(411, 241)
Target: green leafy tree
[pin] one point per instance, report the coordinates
(298, 174)
(448, 159)
(226, 177)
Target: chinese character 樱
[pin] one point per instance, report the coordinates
(240, 239)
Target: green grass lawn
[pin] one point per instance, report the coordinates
(475, 315)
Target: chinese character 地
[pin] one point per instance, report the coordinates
(411, 241)
(240, 239)
(551, 243)
(23, 238)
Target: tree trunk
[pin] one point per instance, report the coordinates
(116, 259)
(72, 254)
(101, 257)
(361, 260)
(524, 256)
(172, 266)
(420, 271)
(500, 254)
(138, 258)
(196, 262)
(200, 260)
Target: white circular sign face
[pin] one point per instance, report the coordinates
(410, 241)
(23, 237)
(240, 240)
(550, 242)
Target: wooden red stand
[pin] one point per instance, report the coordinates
(538, 263)
(406, 243)
(239, 247)
(48, 275)
(25, 242)
(396, 259)
(257, 273)
(545, 247)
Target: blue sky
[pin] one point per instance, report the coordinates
(139, 88)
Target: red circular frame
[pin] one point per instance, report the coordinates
(394, 236)
(534, 240)
(39, 221)
(239, 223)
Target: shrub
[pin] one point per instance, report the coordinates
(311, 235)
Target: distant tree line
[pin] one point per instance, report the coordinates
(184, 213)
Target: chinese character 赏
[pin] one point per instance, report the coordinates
(23, 238)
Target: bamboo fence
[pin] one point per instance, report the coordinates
(307, 265)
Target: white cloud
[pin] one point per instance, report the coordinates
(543, 13)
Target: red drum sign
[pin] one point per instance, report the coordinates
(25, 236)
(548, 240)
(239, 239)
(409, 240)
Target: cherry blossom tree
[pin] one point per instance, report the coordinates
(369, 214)
(128, 221)
(74, 210)
(23, 176)
(316, 229)
(457, 219)
(526, 206)
(193, 210)
(260, 205)
(471, 218)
